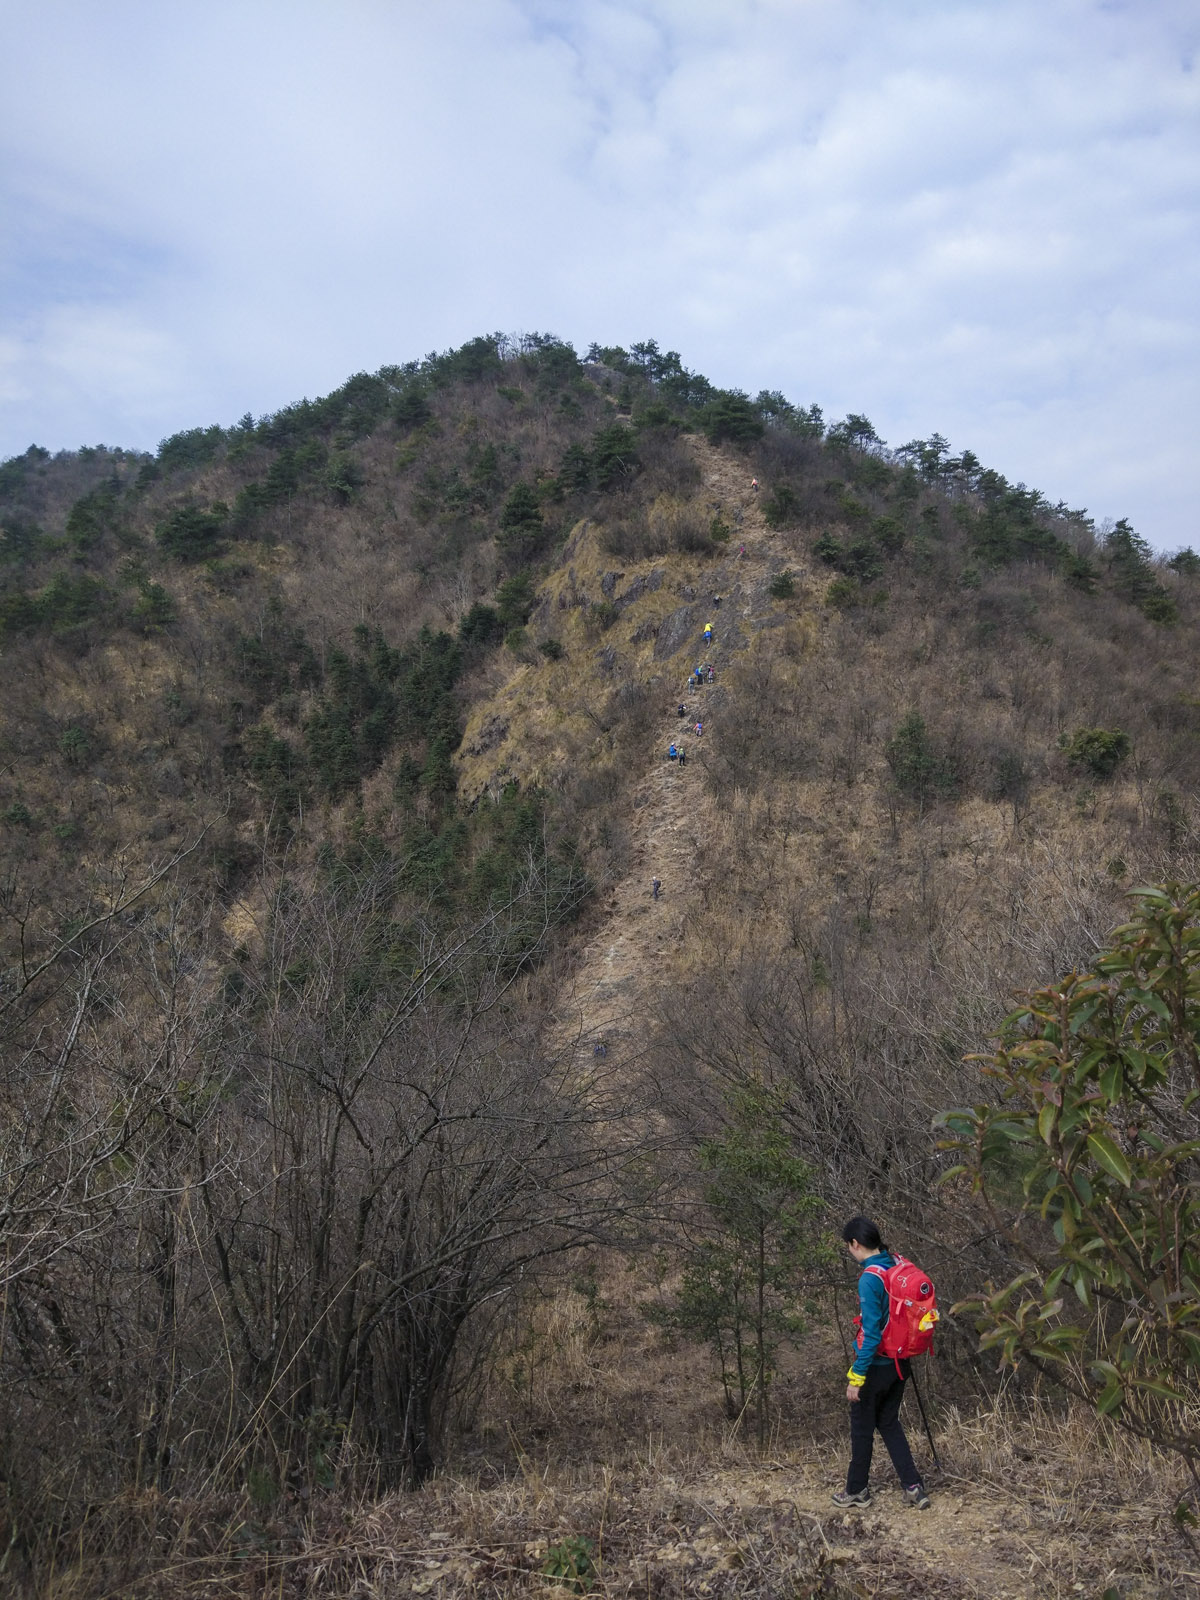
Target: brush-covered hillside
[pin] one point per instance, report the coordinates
(379, 988)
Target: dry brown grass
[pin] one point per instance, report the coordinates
(594, 1426)
(600, 1430)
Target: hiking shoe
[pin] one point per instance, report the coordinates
(916, 1496)
(862, 1498)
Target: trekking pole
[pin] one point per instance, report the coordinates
(925, 1419)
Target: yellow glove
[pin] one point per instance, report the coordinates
(856, 1378)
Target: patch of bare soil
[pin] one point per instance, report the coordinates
(642, 933)
(602, 1462)
(667, 1527)
(615, 1447)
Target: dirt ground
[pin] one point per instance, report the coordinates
(618, 1438)
(604, 1464)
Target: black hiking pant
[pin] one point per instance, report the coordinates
(878, 1407)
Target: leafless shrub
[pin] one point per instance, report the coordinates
(246, 1230)
(668, 465)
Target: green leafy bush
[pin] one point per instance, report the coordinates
(153, 610)
(343, 477)
(922, 767)
(66, 602)
(481, 626)
(17, 471)
(575, 470)
(514, 600)
(276, 661)
(844, 594)
(93, 515)
(571, 1564)
(781, 507)
(550, 361)
(191, 448)
(783, 585)
(1131, 572)
(411, 409)
(744, 1272)
(522, 529)
(1094, 1100)
(190, 534)
(890, 534)
(21, 539)
(732, 416)
(379, 696)
(860, 558)
(280, 771)
(473, 362)
(74, 746)
(614, 456)
(1098, 751)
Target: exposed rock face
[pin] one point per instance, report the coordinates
(732, 638)
(491, 733)
(647, 583)
(674, 632)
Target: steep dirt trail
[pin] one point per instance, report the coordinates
(623, 957)
(980, 1540)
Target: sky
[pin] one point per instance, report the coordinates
(972, 217)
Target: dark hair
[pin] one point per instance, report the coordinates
(861, 1230)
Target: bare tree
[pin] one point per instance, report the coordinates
(244, 1219)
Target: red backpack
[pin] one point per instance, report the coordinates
(912, 1311)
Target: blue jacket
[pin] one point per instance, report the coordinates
(873, 1308)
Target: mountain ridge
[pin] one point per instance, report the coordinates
(369, 702)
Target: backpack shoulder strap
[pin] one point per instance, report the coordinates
(880, 1272)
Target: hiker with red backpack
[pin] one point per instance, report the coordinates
(897, 1311)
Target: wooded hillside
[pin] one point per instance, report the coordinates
(338, 1016)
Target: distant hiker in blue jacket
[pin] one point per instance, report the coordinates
(874, 1387)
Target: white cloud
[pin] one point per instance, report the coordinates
(976, 218)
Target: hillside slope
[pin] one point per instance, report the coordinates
(333, 786)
